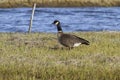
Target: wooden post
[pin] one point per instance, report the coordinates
(31, 19)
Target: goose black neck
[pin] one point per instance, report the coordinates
(59, 28)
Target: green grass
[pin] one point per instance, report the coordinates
(38, 56)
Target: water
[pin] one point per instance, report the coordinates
(72, 19)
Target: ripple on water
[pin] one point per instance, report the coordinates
(72, 19)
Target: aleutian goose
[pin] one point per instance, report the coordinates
(68, 40)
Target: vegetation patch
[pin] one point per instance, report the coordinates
(58, 3)
(39, 56)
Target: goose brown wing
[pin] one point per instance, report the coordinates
(72, 39)
(83, 41)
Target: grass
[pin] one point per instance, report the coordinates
(58, 3)
(38, 56)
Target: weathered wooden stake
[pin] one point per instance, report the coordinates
(31, 19)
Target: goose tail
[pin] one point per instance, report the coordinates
(86, 42)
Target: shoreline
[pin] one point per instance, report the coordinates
(58, 3)
(66, 32)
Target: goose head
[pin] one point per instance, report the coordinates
(56, 22)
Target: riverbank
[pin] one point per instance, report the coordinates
(58, 3)
(38, 56)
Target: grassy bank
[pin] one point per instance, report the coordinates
(58, 3)
(38, 56)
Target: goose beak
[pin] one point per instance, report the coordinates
(53, 23)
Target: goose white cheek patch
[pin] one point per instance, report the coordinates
(56, 23)
(76, 44)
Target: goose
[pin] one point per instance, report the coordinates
(68, 40)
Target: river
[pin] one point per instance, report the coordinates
(72, 19)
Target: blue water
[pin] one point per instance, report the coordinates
(72, 19)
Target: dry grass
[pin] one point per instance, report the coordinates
(33, 57)
(58, 3)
